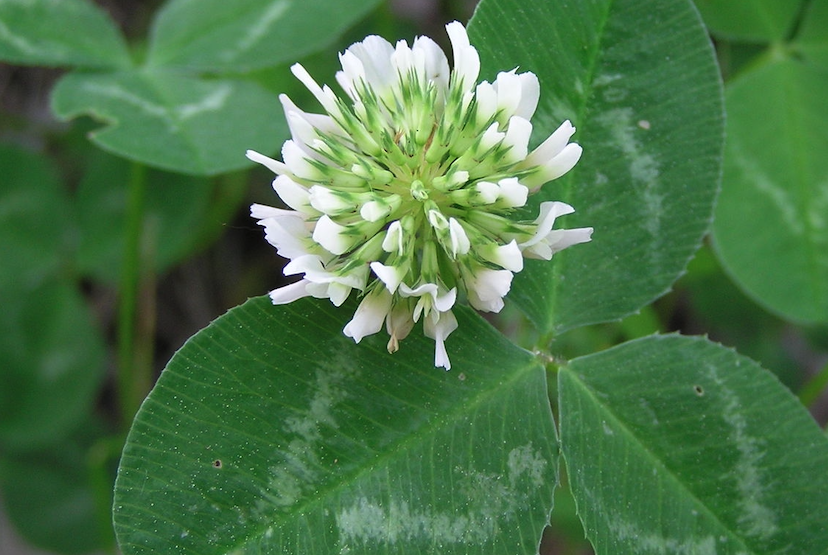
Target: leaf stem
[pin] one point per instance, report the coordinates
(129, 378)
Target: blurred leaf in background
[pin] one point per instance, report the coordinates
(771, 226)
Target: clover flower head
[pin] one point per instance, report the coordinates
(404, 188)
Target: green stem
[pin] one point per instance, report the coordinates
(129, 378)
(811, 391)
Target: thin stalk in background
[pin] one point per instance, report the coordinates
(132, 377)
(814, 387)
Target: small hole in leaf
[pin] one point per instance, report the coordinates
(461, 377)
(217, 463)
(699, 390)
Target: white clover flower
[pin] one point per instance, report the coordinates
(403, 189)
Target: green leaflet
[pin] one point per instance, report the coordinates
(53, 360)
(677, 445)
(812, 39)
(164, 113)
(173, 121)
(771, 227)
(639, 81)
(215, 35)
(60, 33)
(52, 353)
(750, 20)
(272, 432)
(33, 247)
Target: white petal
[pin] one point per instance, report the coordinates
(455, 179)
(369, 60)
(517, 137)
(506, 256)
(321, 122)
(437, 220)
(546, 219)
(459, 240)
(293, 194)
(273, 165)
(426, 294)
(352, 74)
(419, 291)
(430, 296)
(289, 293)
(288, 233)
(332, 236)
(302, 133)
(529, 95)
(315, 272)
(466, 60)
(374, 211)
(326, 201)
(262, 211)
(391, 276)
(375, 53)
(439, 330)
(557, 240)
(493, 305)
(563, 162)
(493, 284)
(572, 237)
(490, 138)
(398, 324)
(445, 301)
(298, 162)
(488, 191)
(512, 193)
(432, 61)
(552, 146)
(338, 292)
(441, 358)
(486, 97)
(310, 265)
(369, 315)
(508, 87)
(403, 59)
(357, 278)
(325, 96)
(538, 251)
(554, 157)
(488, 287)
(393, 238)
(319, 290)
